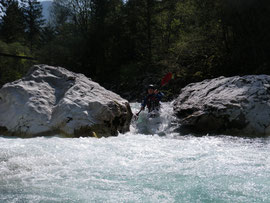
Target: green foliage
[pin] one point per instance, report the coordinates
(20, 29)
(13, 68)
(33, 19)
(12, 26)
(133, 42)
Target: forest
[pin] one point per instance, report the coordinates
(127, 44)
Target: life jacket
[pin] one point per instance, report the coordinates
(152, 102)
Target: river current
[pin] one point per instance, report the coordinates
(151, 163)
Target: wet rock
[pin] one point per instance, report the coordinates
(234, 105)
(50, 100)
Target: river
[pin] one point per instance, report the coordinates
(136, 167)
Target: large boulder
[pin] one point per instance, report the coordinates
(234, 105)
(52, 100)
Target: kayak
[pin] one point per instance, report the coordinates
(153, 114)
(148, 123)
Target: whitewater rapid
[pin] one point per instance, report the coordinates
(136, 167)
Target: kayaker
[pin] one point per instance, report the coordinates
(152, 100)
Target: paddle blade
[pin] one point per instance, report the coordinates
(166, 79)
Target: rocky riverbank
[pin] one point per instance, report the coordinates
(234, 105)
(53, 100)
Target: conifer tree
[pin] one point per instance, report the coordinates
(12, 25)
(34, 20)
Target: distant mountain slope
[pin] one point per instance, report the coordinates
(46, 9)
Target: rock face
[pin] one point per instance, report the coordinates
(50, 100)
(235, 105)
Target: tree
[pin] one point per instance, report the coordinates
(105, 35)
(89, 33)
(59, 13)
(77, 12)
(13, 25)
(247, 25)
(13, 68)
(127, 41)
(34, 20)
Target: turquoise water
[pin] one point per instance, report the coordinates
(135, 168)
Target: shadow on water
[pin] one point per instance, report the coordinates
(231, 135)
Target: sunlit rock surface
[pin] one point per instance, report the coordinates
(50, 100)
(234, 105)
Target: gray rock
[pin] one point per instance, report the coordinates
(50, 100)
(234, 105)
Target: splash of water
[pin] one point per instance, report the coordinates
(135, 167)
(163, 124)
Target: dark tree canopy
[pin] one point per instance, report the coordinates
(12, 23)
(33, 19)
(126, 44)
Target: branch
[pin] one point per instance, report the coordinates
(15, 56)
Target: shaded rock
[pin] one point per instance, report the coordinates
(234, 105)
(51, 100)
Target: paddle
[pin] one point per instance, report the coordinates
(164, 81)
(136, 116)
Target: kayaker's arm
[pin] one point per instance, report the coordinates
(143, 104)
(159, 95)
